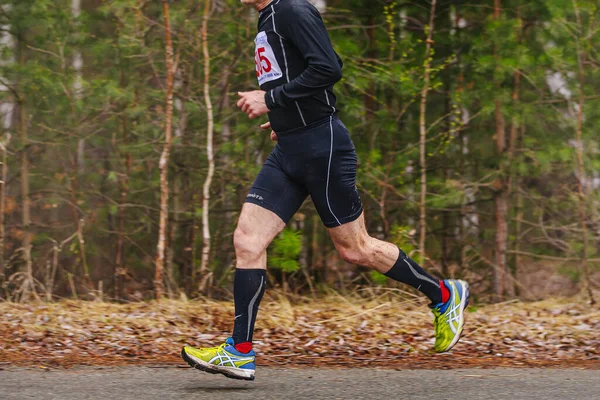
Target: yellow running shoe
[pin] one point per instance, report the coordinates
(224, 359)
(450, 316)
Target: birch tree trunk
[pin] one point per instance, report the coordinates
(182, 85)
(204, 273)
(423, 134)
(164, 159)
(77, 95)
(7, 108)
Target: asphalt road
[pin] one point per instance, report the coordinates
(175, 383)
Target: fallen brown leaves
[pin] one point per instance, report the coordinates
(334, 332)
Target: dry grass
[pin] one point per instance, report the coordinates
(389, 331)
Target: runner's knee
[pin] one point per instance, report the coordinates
(351, 256)
(354, 253)
(247, 244)
(361, 249)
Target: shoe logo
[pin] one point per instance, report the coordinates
(225, 359)
(453, 316)
(237, 316)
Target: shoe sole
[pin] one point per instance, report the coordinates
(464, 302)
(243, 375)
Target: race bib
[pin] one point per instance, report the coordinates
(267, 68)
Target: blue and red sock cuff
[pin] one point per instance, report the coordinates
(445, 292)
(245, 347)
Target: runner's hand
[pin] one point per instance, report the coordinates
(266, 126)
(253, 103)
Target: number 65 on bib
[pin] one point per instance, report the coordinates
(267, 68)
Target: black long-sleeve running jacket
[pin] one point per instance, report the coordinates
(295, 64)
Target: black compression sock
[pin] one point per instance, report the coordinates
(248, 289)
(408, 271)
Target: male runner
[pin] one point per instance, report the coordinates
(296, 68)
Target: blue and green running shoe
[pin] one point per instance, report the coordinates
(224, 359)
(450, 316)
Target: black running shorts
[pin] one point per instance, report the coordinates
(318, 160)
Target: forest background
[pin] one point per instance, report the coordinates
(125, 161)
